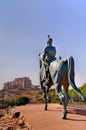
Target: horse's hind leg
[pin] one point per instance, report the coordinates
(62, 98)
(66, 97)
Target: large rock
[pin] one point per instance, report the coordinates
(14, 120)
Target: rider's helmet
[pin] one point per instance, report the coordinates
(50, 40)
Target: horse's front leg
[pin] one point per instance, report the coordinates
(62, 98)
(45, 97)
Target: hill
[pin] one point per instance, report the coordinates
(34, 95)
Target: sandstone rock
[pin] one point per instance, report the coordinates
(14, 121)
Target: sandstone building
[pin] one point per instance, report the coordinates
(24, 82)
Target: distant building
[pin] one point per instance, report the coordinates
(24, 82)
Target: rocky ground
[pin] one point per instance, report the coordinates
(14, 120)
(8, 118)
(33, 117)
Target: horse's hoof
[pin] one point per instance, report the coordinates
(64, 117)
(45, 108)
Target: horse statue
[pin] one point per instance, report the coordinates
(61, 74)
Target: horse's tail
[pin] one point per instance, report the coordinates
(71, 76)
(71, 73)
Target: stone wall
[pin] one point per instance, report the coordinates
(24, 82)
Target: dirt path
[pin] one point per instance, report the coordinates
(51, 119)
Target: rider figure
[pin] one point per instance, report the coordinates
(49, 55)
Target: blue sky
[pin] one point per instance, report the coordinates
(24, 26)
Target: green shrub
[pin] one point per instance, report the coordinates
(17, 101)
(3, 106)
(22, 101)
